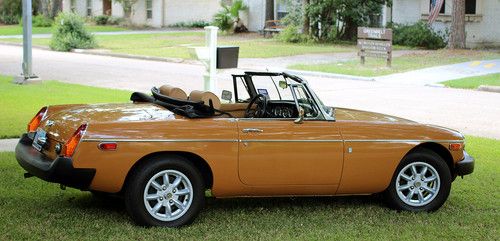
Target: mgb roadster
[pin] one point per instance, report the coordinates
(270, 136)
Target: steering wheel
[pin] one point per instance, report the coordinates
(261, 101)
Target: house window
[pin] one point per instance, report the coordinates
(432, 2)
(149, 9)
(470, 6)
(73, 5)
(89, 8)
(281, 10)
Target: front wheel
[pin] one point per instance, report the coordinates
(422, 182)
(165, 192)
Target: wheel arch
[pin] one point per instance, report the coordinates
(438, 149)
(194, 159)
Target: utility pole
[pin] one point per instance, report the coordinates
(27, 65)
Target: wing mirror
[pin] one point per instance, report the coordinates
(227, 95)
(300, 120)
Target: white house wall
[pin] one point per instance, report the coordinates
(256, 14)
(406, 11)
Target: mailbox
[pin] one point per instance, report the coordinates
(227, 57)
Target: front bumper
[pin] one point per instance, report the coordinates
(60, 170)
(465, 166)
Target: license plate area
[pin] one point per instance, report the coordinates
(40, 139)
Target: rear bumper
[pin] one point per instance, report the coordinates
(60, 170)
(465, 166)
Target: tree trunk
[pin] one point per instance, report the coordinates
(350, 29)
(457, 35)
(307, 23)
(44, 7)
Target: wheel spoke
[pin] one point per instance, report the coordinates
(168, 210)
(404, 187)
(156, 185)
(404, 176)
(152, 197)
(165, 179)
(430, 179)
(157, 207)
(179, 205)
(420, 196)
(410, 195)
(182, 192)
(176, 182)
(424, 170)
(414, 170)
(428, 189)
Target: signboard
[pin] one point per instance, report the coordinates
(375, 42)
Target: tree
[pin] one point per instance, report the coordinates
(49, 8)
(457, 34)
(228, 18)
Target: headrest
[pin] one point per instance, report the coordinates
(173, 92)
(205, 96)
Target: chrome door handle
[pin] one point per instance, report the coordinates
(248, 130)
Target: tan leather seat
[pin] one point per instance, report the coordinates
(205, 96)
(173, 92)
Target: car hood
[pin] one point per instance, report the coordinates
(60, 125)
(343, 114)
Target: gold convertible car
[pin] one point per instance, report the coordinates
(275, 138)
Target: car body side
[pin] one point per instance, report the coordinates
(370, 147)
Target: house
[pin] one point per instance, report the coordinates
(482, 18)
(161, 13)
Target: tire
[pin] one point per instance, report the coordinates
(148, 199)
(410, 191)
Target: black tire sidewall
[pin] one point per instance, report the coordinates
(444, 173)
(135, 189)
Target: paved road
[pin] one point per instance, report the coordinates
(469, 111)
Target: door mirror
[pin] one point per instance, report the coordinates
(227, 95)
(300, 119)
(283, 84)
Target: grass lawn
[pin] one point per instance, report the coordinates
(175, 45)
(376, 67)
(18, 30)
(34, 209)
(474, 82)
(19, 103)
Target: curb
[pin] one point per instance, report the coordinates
(329, 75)
(132, 56)
(489, 88)
(8, 144)
(20, 44)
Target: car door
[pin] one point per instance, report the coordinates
(280, 152)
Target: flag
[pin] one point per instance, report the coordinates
(434, 10)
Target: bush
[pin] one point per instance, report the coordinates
(70, 33)
(9, 19)
(291, 34)
(418, 35)
(115, 20)
(39, 21)
(194, 24)
(101, 20)
(10, 11)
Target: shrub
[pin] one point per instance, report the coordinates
(70, 33)
(101, 20)
(194, 24)
(291, 34)
(9, 19)
(115, 20)
(418, 35)
(39, 21)
(228, 18)
(10, 11)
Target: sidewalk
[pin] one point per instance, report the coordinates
(8, 144)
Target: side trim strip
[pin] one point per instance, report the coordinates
(402, 140)
(291, 140)
(158, 140)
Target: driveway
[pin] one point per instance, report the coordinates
(469, 111)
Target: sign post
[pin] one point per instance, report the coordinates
(27, 65)
(375, 42)
(211, 43)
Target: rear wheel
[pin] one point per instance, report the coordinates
(422, 182)
(165, 192)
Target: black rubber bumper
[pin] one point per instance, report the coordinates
(465, 166)
(60, 170)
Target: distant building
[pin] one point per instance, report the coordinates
(161, 13)
(482, 18)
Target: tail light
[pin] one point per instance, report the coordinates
(70, 146)
(35, 122)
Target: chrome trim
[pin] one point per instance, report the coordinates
(157, 140)
(403, 140)
(283, 140)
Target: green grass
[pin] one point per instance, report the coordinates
(34, 209)
(19, 103)
(176, 45)
(376, 66)
(474, 82)
(18, 30)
